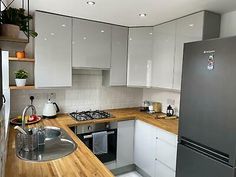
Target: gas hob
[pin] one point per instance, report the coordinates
(90, 115)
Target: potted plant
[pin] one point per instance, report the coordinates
(13, 20)
(21, 76)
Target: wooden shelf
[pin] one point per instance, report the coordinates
(29, 87)
(7, 43)
(21, 59)
(9, 39)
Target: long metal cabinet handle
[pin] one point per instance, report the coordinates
(91, 136)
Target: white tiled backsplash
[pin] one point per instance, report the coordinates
(87, 93)
(164, 96)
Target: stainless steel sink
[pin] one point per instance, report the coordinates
(52, 133)
(58, 144)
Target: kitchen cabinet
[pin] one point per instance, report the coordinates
(163, 171)
(91, 44)
(145, 147)
(53, 66)
(168, 45)
(163, 55)
(117, 75)
(188, 29)
(155, 150)
(140, 48)
(125, 143)
(166, 148)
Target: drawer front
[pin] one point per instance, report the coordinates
(166, 153)
(167, 137)
(163, 171)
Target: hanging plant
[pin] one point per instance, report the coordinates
(15, 19)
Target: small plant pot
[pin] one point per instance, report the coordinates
(9, 30)
(20, 82)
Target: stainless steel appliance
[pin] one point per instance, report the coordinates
(85, 133)
(207, 143)
(89, 115)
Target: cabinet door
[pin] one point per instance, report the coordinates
(163, 55)
(91, 44)
(166, 153)
(140, 56)
(53, 50)
(145, 146)
(125, 143)
(189, 29)
(119, 50)
(163, 171)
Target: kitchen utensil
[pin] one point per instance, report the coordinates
(27, 142)
(50, 109)
(169, 111)
(156, 106)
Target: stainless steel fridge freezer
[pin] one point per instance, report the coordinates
(207, 132)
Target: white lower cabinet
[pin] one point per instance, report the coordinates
(155, 150)
(166, 153)
(125, 143)
(145, 147)
(163, 171)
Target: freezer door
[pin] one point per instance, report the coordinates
(193, 164)
(208, 95)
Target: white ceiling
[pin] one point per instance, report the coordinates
(125, 12)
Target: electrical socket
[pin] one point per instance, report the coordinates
(51, 96)
(170, 101)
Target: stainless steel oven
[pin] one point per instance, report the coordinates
(84, 133)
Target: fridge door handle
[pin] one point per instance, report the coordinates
(220, 156)
(4, 99)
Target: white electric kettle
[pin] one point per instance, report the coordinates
(50, 110)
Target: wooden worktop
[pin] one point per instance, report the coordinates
(82, 162)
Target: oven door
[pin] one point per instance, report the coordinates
(87, 139)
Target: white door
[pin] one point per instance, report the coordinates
(125, 143)
(91, 44)
(145, 147)
(163, 171)
(53, 66)
(163, 55)
(189, 29)
(140, 57)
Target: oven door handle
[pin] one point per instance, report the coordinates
(91, 135)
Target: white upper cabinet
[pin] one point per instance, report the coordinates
(91, 44)
(189, 29)
(169, 39)
(163, 55)
(53, 50)
(140, 49)
(117, 75)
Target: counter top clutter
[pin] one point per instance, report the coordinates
(82, 162)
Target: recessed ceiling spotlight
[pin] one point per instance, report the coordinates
(142, 15)
(91, 3)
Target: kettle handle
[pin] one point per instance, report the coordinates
(56, 107)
